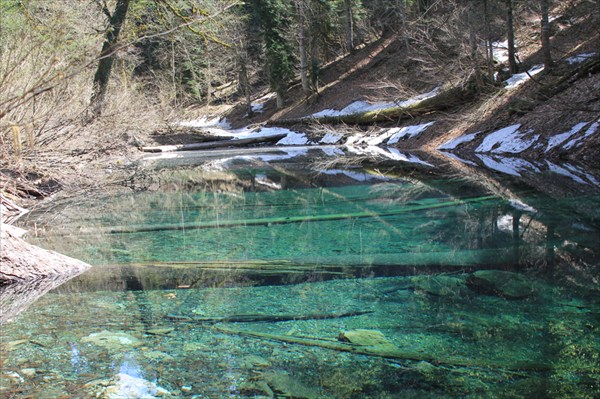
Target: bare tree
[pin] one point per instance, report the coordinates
(107, 55)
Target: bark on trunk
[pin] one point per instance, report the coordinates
(303, 48)
(512, 60)
(107, 56)
(349, 25)
(548, 63)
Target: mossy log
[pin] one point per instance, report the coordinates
(391, 352)
(258, 318)
(448, 98)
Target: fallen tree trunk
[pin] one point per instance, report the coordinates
(390, 352)
(23, 262)
(215, 144)
(257, 318)
(560, 84)
(446, 99)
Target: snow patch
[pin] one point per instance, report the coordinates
(331, 138)
(500, 51)
(453, 156)
(578, 141)
(560, 138)
(507, 140)
(519, 78)
(207, 121)
(257, 108)
(293, 138)
(398, 133)
(509, 166)
(579, 58)
(452, 144)
(360, 106)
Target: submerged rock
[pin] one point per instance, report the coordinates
(126, 386)
(440, 285)
(113, 341)
(372, 338)
(505, 284)
(287, 386)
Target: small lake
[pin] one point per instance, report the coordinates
(298, 274)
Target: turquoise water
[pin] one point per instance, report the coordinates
(287, 280)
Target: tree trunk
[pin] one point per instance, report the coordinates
(488, 41)
(301, 6)
(107, 57)
(471, 21)
(548, 63)
(349, 25)
(512, 60)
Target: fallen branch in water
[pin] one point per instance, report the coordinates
(390, 352)
(254, 318)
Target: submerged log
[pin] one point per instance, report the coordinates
(254, 318)
(388, 352)
(289, 219)
(215, 144)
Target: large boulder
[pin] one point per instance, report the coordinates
(501, 283)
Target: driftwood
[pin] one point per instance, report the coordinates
(215, 144)
(390, 352)
(287, 219)
(254, 318)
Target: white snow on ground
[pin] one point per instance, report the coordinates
(331, 138)
(510, 166)
(257, 108)
(389, 152)
(520, 78)
(562, 171)
(407, 131)
(500, 51)
(293, 138)
(579, 58)
(361, 106)
(507, 140)
(578, 141)
(354, 175)
(207, 121)
(561, 138)
(452, 144)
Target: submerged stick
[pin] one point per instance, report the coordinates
(253, 318)
(388, 351)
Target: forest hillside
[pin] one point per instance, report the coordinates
(84, 85)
